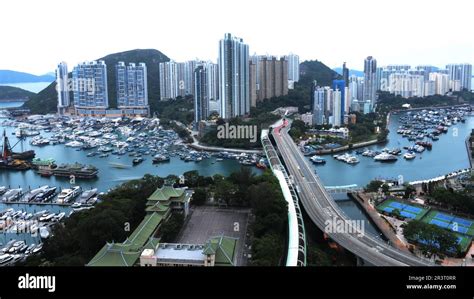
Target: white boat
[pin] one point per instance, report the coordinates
(74, 144)
(419, 148)
(47, 217)
(30, 248)
(347, 158)
(31, 195)
(68, 195)
(317, 160)
(352, 160)
(86, 195)
(40, 213)
(12, 194)
(409, 156)
(34, 228)
(385, 157)
(59, 217)
(5, 258)
(37, 248)
(76, 205)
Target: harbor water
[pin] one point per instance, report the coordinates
(448, 154)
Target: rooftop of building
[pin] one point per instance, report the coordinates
(127, 252)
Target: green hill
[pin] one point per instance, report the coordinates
(46, 100)
(14, 93)
(311, 70)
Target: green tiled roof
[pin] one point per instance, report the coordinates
(166, 193)
(116, 255)
(126, 254)
(224, 248)
(144, 230)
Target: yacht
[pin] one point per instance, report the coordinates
(45, 195)
(68, 194)
(37, 248)
(46, 217)
(59, 217)
(32, 194)
(317, 160)
(12, 194)
(87, 195)
(409, 156)
(385, 157)
(75, 144)
(5, 258)
(352, 160)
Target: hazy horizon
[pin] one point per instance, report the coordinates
(405, 32)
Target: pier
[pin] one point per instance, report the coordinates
(469, 151)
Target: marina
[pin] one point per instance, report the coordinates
(415, 159)
(27, 216)
(119, 150)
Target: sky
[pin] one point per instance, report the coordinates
(37, 34)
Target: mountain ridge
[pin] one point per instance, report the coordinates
(14, 77)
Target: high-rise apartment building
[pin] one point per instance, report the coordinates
(370, 84)
(273, 77)
(293, 68)
(319, 98)
(90, 85)
(201, 96)
(461, 72)
(168, 80)
(345, 74)
(132, 85)
(340, 85)
(62, 87)
(234, 81)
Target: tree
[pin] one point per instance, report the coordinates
(396, 213)
(199, 196)
(431, 239)
(267, 250)
(225, 191)
(170, 229)
(409, 190)
(191, 178)
(385, 188)
(373, 186)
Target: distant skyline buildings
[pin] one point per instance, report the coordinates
(461, 72)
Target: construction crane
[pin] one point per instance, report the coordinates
(7, 150)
